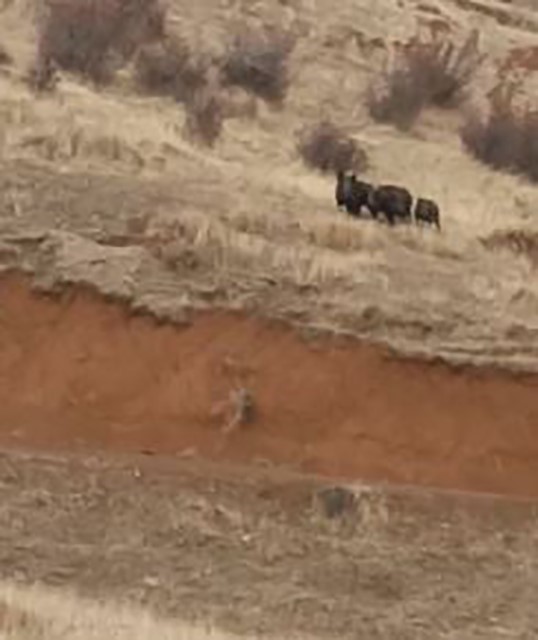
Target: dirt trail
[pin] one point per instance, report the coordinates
(79, 372)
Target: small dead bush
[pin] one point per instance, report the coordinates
(94, 37)
(170, 68)
(204, 116)
(432, 72)
(258, 62)
(5, 58)
(327, 148)
(518, 241)
(43, 76)
(507, 138)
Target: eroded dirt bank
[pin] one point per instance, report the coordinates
(77, 371)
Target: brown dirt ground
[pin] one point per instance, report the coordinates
(77, 371)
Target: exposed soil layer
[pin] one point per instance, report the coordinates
(77, 371)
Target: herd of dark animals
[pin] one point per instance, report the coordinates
(395, 203)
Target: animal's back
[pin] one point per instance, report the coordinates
(393, 200)
(427, 210)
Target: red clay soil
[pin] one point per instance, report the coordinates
(79, 372)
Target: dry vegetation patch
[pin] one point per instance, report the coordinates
(94, 37)
(170, 68)
(519, 241)
(507, 137)
(258, 61)
(326, 147)
(38, 613)
(5, 58)
(423, 72)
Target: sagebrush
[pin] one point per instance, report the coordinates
(507, 137)
(424, 72)
(205, 117)
(5, 58)
(327, 148)
(171, 68)
(258, 61)
(94, 37)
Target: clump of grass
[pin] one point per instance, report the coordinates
(327, 148)
(258, 61)
(507, 138)
(93, 37)
(425, 72)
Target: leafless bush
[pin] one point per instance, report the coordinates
(170, 68)
(519, 241)
(93, 37)
(43, 76)
(327, 148)
(204, 116)
(434, 72)
(258, 62)
(5, 58)
(507, 138)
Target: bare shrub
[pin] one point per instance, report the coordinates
(433, 72)
(258, 62)
(519, 241)
(93, 37)
(329, 149)
(507, 138)
(43, 76)
(5, 58)
(170, 68)
(204, 116)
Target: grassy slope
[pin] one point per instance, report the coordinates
(252, 552)
(250, 212)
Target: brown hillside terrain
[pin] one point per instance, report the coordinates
(179, 299)
(245, 224)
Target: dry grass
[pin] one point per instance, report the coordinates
(36, 613)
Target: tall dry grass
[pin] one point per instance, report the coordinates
(36, 613)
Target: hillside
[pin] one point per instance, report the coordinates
(189, 326)
(246, 224)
